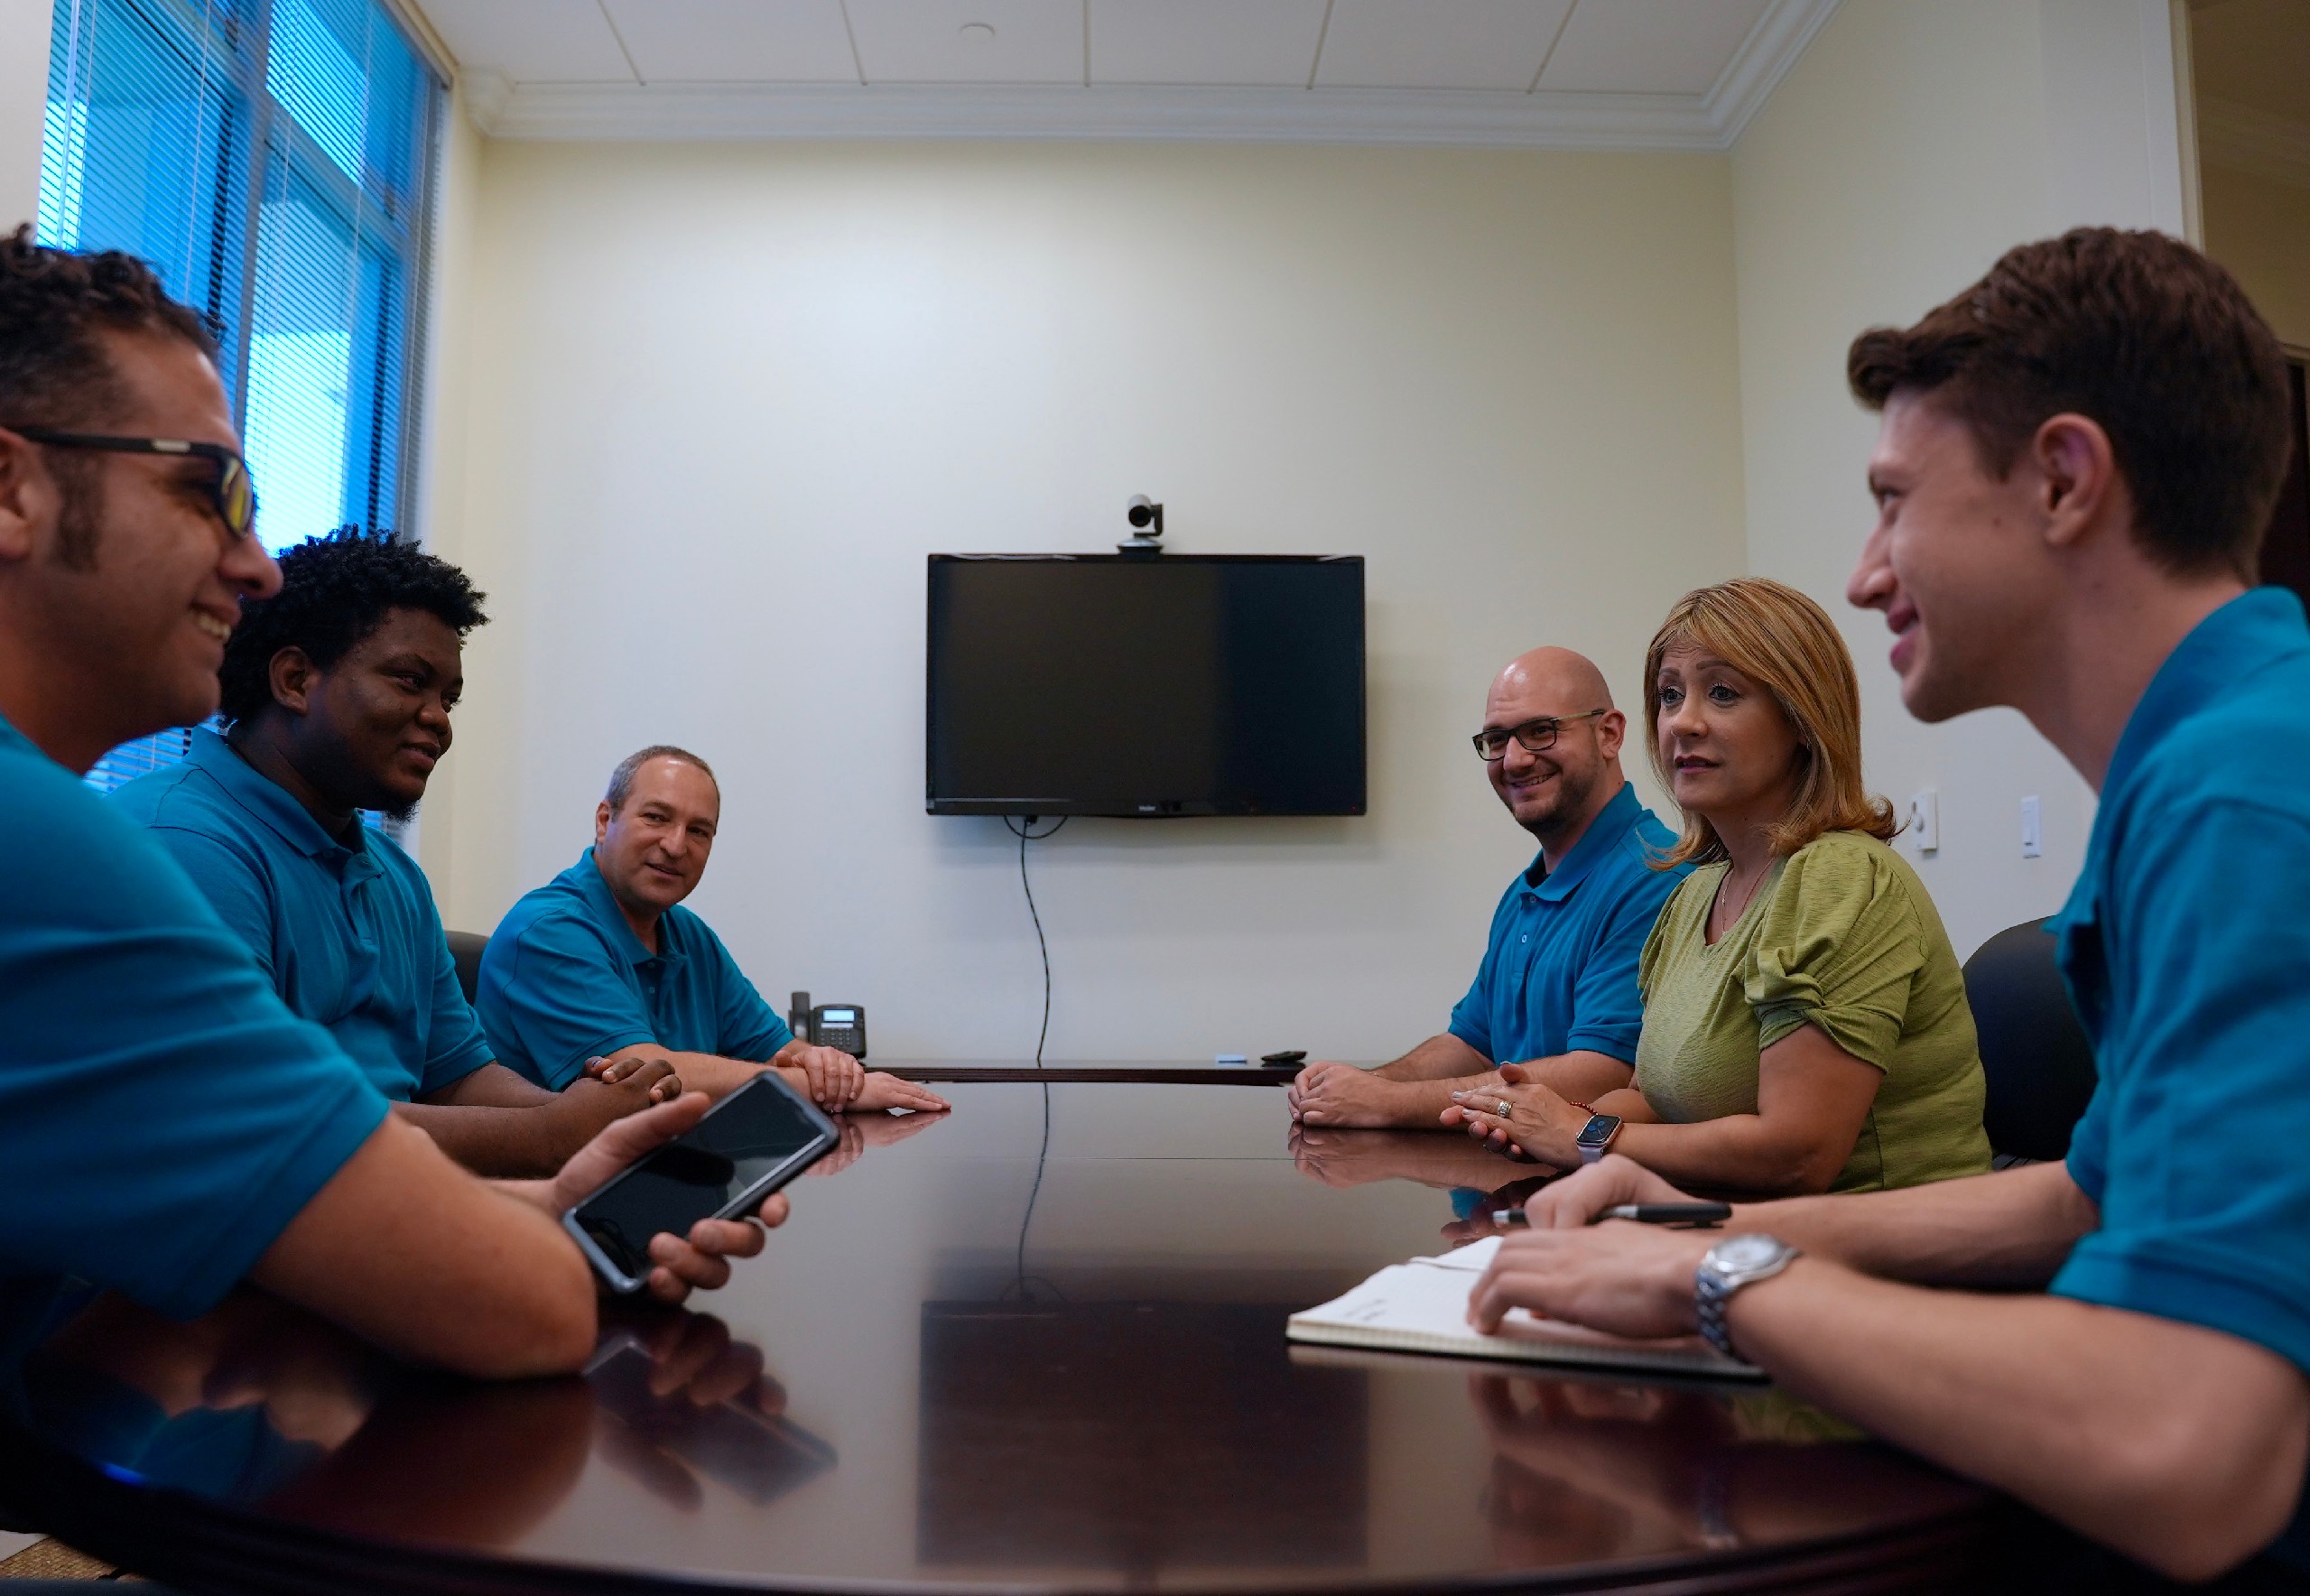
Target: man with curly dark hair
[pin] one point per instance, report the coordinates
(338, 692)
(167, 1127)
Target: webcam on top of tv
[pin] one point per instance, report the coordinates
(1145, 518)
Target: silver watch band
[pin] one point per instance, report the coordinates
(1731, 1263)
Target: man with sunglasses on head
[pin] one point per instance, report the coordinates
(1555, 998)
(167, 1127)
(337, 692)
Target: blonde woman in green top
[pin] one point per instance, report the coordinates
(1804, 1021)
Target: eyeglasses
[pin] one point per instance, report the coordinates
(1533, 737)
(233, 493)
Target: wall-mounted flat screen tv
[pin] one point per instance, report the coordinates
(1151, 685)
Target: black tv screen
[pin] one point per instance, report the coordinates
(1124, 684)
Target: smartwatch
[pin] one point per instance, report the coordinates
(1732, 1263)
(1595, 1137)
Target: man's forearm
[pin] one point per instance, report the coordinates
(2176, 1444)
(513, 1143)
(1439, 1058)
(1422, 1098)
(2010, 1228)
(711, 1072)
(424, 1260)
(1581, 1076)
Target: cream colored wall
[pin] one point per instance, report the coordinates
(1911, 146)
(721, 400)
(444, 418)
(2259, 228)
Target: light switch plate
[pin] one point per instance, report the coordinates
(2033, 830)
(1925, 820)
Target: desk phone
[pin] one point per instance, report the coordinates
(830, 1024)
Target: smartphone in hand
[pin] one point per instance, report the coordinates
(747, 1145)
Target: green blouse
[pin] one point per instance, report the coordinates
(1841, 935)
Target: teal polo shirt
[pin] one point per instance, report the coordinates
(346, 932)
(162, 1117)
(2186, 951)
(565, 979)
(1560, 968)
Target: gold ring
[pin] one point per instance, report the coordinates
(1507, 1109)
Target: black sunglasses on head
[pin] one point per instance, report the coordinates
(235, 495)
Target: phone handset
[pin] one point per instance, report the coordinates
(830, 1024)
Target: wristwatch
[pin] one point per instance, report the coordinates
(1732, 1263)
(1595, 1137)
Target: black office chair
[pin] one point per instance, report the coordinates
(465, 948)
(2039, 1064)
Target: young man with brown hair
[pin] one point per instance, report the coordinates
(2078, 458)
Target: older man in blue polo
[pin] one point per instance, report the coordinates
(601, 969)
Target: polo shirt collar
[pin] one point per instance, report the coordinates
(595, 889)
(1612, 822)
(267, 800)
(2235, 642)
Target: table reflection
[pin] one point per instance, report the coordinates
(1446, 1161)
(859, 1132)
(1479, 1179)
(259, 1403)
(1582, 1465)
(1015, 1356)
(678, 1400)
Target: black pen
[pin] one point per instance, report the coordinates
(1696, 1214)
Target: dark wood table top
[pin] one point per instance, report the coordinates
(1036, 1344)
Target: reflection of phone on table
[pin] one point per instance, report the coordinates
(748, 1144)
(757, 1454)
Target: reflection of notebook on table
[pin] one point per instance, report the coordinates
(1422, 1306)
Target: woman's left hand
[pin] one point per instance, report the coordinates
(1522, 1118)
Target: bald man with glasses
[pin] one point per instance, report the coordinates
(1556, 999)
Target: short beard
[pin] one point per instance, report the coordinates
(80, 520)
(401, 815)
(1572, 798)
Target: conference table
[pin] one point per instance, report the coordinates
(1034, 1344)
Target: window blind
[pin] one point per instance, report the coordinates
(271, 159)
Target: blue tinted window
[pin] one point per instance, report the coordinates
(271, 163)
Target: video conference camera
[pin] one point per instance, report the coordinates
(1145, 518)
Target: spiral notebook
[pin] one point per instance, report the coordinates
(1422, 1306)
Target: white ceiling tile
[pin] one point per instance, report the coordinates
(1649, 46)
(1203, 41)
(1438, 43)
(736, 41)
(970, 41)
(531, 40)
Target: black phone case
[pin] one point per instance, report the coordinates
(746, 1202)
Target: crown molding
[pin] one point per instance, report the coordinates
(1478, 118)
(1103, 112)
(1763, 59)
(2248, 139)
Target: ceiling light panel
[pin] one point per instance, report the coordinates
(1199, 42)
(1649, 46)
(531, 40)
(970, 41)
(1438, 43)
(736, 41)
